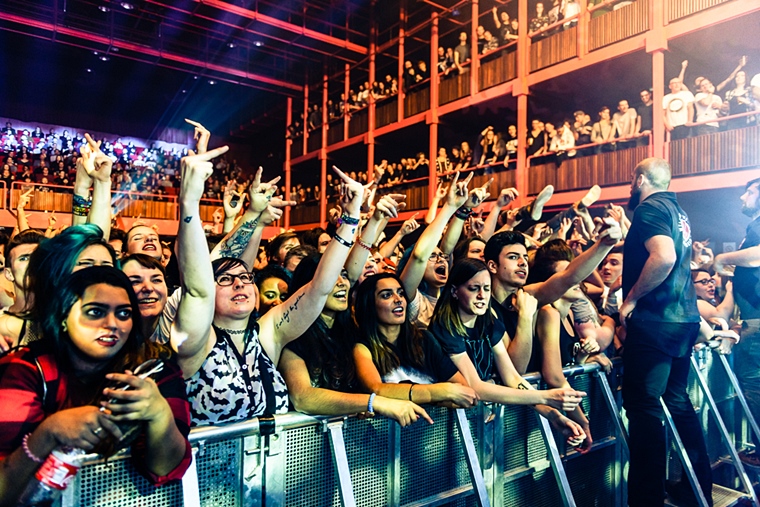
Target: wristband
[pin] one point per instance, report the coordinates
(347, 244)
(347, 219)
(78, 200)
(410, 390)
(463, 213)
(370, 408)
(80, 211)
(29, 454)
(364, 245)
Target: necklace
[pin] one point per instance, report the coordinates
(232, 331)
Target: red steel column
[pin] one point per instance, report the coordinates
(521, 91)
(305, 118)
(475, 55)
(400, 77)
(286, 167)
(433, 115)
(323, 158)
(346, 90)
(371, 120)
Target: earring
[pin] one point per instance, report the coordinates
(65, 327)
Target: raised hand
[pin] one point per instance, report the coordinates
(389, 205)
(564, 227)
(218, 216)
(231, 205)
(477, 225)
(101, 163)
(610, 233)
(260, 194)
(506, 196)
(201, 136)
(196, 169)
(441, 191)
(23, 199)
(351, 194)
(410, 225)
(457, 192)
(478, 195)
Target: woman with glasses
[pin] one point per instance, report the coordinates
(227, 355)
(707, 303)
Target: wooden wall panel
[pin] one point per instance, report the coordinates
(386, 112)
(677, 9)
(454, 87)
(335, 132)
(417, 101)
(304, 214)
(498, 69)
(732, 149)
(358, 123)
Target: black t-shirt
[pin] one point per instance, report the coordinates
(437, 366)
(645, 113)
(747, 280)
(478, 346)
(675, 299)
(336, 375)
(539, 141)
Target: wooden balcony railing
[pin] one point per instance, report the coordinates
(454, 87)
(305, 213)
(731, 149)
(315, 139)
(618, 24)
(296, 148)
(554, 48)
(335, 132)
(208, 208)
(576, 173)
(677, 9)
(498, 67)
(358, 123)
(386, 112)
(415, 191)
(417, 100)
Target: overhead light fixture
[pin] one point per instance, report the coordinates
(88, 70)
(195, 77)
(95, 53)
(211, 82)
(114, 50)
(184, 91)
(103, 8)
(230, 45)
(258, 43)
(104, 58)
(127, 6)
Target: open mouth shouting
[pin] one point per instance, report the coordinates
(109, 340)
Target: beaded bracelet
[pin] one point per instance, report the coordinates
(346, 219)
(463, 213)
(370, 408)
(29, 454)
(364, 245)
(347, 244)
(80, 211)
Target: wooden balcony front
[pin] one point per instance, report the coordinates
(498, 67)
(618, 24)
(386, 112)
(417, 101)
(554, 48)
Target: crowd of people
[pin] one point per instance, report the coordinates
(31, 156)
(350, 320)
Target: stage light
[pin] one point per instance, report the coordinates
(103, 8)
(88, 70)
(104, 58)
(114, 50)
(184, 91)
(95, 53)
(126, 5)
(231, 45)
(195, 77)
(258, 43)
(211, 82)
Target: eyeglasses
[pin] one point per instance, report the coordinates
(706, 281)
(435, 256)
(226, 280)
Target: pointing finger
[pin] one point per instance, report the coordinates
(487, 184)
(194, 123)
(213, 153)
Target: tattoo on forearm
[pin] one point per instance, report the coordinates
(236, 244)
(187, 219)
(286, 316)
(522, 386)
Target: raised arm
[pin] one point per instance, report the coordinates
(191, 330)
(409, 226)
(579, 269)
(22, 222)
(387, 207)
(288, 321)
(440, 193)
(506, 196)
(415, 267)
(100, 211)
(724, 310)
(456, 224)
(662, 258)
(742, 63)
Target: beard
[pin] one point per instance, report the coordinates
(635, 199)
(748, 211)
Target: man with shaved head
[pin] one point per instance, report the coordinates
(660, 311)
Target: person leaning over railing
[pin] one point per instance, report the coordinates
(471, 334)
(393, 357)
(50, 389)
(216, 335)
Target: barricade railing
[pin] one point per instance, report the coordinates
(490, 455)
